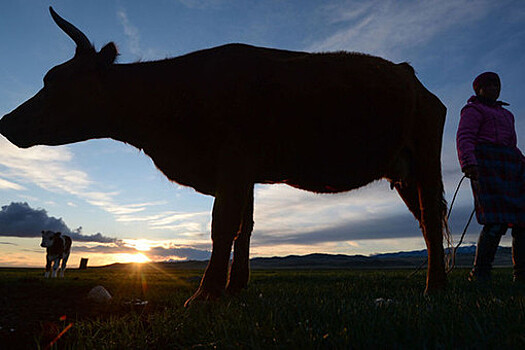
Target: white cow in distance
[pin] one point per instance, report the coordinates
(58, 247)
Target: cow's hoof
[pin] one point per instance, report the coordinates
(436, 289)
(202, 295)
(235, 289)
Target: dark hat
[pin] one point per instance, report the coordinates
(485, 79)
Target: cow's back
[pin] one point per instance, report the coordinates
(332, 119)
(67, 244)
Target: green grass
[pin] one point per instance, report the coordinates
(280, 310)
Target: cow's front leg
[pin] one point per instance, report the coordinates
(228, 206)
(240, 268)
(48, 268)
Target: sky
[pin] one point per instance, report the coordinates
(118, 207)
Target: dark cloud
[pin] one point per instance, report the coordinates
(399, 225)
(392, 226)
(113, 248)
(20, 220)
(459, 218)
(98, 237)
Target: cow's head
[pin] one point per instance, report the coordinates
(48, 237)
(71, 106)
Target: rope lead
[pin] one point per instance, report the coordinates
(454, 249)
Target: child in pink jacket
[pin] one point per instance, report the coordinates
(489, 156)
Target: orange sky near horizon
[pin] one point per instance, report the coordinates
(26, 252)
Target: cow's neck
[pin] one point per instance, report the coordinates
(142, 98)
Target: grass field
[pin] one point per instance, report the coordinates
(285, 309)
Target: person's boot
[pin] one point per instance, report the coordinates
(518, 254)
(485, 252)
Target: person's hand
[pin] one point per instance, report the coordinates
(471, 172)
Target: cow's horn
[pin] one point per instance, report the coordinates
(78, 37)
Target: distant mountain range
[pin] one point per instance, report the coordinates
(399, 260)
(408, 259)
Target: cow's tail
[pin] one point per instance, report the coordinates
(443, 206)
(431, 123)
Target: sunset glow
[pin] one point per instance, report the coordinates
(131, 258)
(142, 245)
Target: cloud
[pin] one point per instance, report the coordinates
(181, 223)
(43, 166)
(286, 216)
(161, 252)
(181, 252)
(177, 217)
(385, 27)
(369, 227)
(133, 35)
(20, 220)
(49, 168)
(284, 210)
(112, 248)
(8, 185)
(97, 237)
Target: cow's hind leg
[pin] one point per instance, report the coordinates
(56, 264)
(240, 268)
(228, 207)
(428, 137)
(64, 262)
(433, 221)
(410, 195)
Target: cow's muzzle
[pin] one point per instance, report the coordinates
(15, 132)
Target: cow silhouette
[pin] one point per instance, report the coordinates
(58, 248)
(223, 119)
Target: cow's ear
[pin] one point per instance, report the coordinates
(58, 233)
(107, 55)
(42, 231)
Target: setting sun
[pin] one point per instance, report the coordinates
(138, 244)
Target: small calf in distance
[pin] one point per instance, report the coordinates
(58, 247)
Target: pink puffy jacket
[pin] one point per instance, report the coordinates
(481, 123)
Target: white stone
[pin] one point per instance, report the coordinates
(99, 294)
